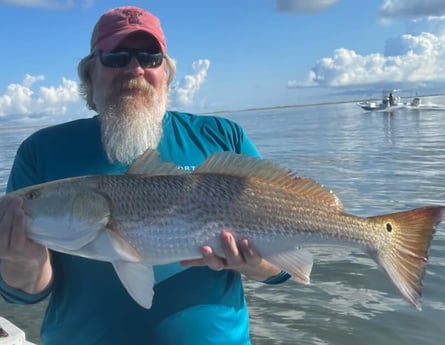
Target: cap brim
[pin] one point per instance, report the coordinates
(112, 42)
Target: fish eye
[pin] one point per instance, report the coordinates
(33, 194)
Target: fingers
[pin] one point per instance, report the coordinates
(231, 257)
(14, 243)
(250, 253)
(18, 236)
(235, 254)
(208, 259)
(7, 205)
(212, 260)
(12, 229)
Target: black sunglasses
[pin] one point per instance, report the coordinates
(122, 58)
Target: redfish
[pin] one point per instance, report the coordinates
(155, 214)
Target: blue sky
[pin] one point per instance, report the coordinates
(231, 54)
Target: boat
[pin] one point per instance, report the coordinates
(389, 102)
(10, 334)
(417, 104)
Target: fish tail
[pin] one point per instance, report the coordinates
(404, 252)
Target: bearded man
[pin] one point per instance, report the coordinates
(125, 79)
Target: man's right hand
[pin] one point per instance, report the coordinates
(24, 264)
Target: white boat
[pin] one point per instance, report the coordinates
(389, 102)
(417, 104)
(10, 334)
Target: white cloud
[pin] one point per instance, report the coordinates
(304, 6)
(22, 99)
(25, 101)
(31, 79)
(411, 8)
(183, 93)
(409, 58)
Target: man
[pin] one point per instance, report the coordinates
(125, 79)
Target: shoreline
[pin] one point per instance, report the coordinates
(309, 104)
(228, 111)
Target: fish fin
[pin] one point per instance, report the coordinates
(314, 191)
(149, 163)
(404, 253)
(125, 250)
(108, 246)
(231, 163)
(138, 280)
(102, 248)
(297, 262)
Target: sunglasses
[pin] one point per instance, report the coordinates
(122, 58)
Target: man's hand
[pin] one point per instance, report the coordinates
(239, 255)
(24, 264)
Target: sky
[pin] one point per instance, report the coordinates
(230, 54)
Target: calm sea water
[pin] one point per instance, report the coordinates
(376, 163)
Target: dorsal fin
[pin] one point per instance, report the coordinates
(149, 163)
(230, 163)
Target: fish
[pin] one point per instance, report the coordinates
(156, 214)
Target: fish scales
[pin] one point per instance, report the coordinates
(171, 212)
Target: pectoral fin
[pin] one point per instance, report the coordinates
(109, 246)
(125, 249)
(138, 280)
(297, 262)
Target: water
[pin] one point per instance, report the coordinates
(376, 163)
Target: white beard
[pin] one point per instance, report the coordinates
(132, 123)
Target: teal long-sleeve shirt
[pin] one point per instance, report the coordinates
(88, 304)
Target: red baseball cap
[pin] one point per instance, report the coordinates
(116, 24)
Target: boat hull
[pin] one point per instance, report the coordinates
(373, 106)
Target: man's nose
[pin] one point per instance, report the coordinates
(135, 65)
